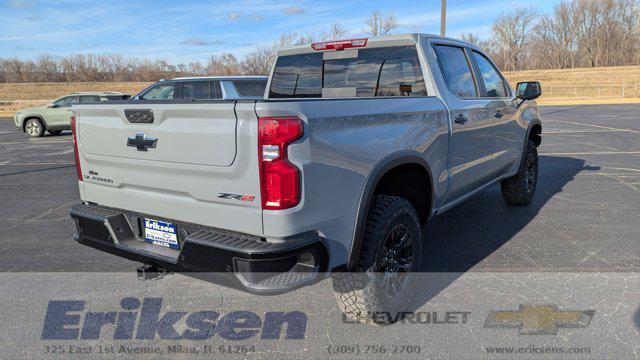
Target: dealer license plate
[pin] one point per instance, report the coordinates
(161, 233)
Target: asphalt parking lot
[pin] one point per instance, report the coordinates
(584, 222)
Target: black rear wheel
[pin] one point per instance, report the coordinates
(383, 284)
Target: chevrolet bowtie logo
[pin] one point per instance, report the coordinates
(142, 142)
(539, 320)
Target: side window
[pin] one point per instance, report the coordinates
(195, 90)
(456, 70)
(160, 92)
(493, 83)
(88, 99)
(216, 93)
(65, 101)
(250, 88)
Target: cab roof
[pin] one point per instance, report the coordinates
(377, 41)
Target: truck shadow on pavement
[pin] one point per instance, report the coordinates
(464, 238)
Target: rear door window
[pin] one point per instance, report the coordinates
(196, 90)
(387, 71)
(250, 88)
(456, 70)
(160, 92)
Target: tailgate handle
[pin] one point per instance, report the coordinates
(142, 116)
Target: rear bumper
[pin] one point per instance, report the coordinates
(242, 261)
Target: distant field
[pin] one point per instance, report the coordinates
(14, 97)
(48, 91)
(604, 85)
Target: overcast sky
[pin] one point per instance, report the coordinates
(183, 31)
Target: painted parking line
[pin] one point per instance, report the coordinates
(580, 132)
(36, 142)
(595, 126)
(41, 163)
(592, 153)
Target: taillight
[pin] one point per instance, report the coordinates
(339, 44)
(75, 147)
(279, 179)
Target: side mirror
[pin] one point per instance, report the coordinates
(54, 106)
(529, 90)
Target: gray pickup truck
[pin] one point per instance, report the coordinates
(355, 146)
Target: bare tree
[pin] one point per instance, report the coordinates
(512, 34)
(381, 24)
(470, 38)
(195, 68)
(336, 32)
(555, 39)
(224, 64)
(259, 61)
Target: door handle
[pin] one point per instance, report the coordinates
(461, 119)
(499, 114)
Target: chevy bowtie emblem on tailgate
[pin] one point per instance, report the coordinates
(142, 142)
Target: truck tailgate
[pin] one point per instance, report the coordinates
(175, 167)
(198, 135)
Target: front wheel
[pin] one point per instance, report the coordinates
(34, 128)
(520, 188)
(383, 284)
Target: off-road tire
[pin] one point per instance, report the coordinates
(55, 132)
(360, 294)
(34, 127)
(519, 189)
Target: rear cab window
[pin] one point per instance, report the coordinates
(368, 72)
